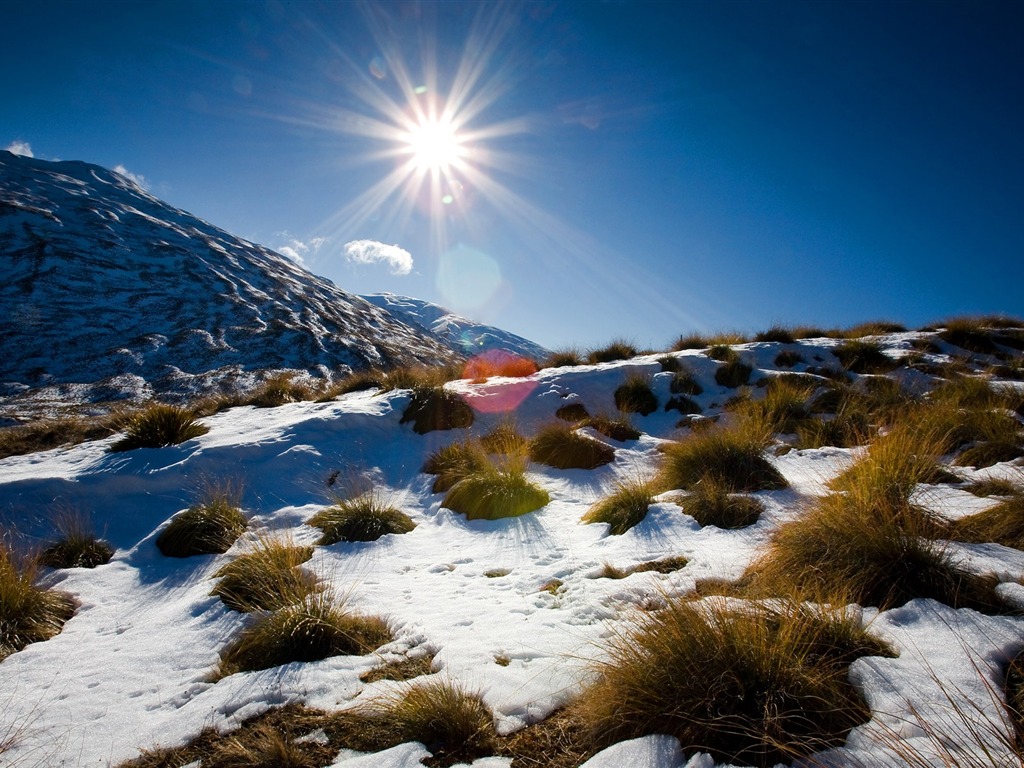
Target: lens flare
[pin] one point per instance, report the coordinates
(435, 145)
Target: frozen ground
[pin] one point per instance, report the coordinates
(131, 669)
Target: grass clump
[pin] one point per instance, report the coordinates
(635, 395)
(776, 333)
(733, 458)
(689, 341)
(498, 362)
(563, 358)
(970, 333)
(616, 350)
(573, 412)
(683, 404)
(867, 542)
(436, 408)
(733, 373)
(266, 576)
(209, 528)
(787, 358)
(28, 613)
(624, 508)
(669, 364)
(859, 356)
(311, 630)
(783, 408)
(364, 518)
(496, 491)
(710, 503)
(1002, 524)
(453, 462)
(873, 328)
(77, 545)
(722, 352)
(408, 668)
(563, 447)
(504, 439)
(685, 383)
(451, 722)
(46, 434)
(749, 686)
(619, 430)
(159, 426)
(279, 390)
(993, 486)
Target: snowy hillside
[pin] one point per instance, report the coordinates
(526, 611)
(109, 293)
(464, 336)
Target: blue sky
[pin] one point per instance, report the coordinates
(623, 169)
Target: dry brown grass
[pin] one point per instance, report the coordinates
(732, 457)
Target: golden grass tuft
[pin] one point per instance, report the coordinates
(280, 390)
(618, 429)
(159, 426)
(733, 373)
(77, 545)
(749, 685)
(858, 356)
(207, 528)
(311, 630)
(28, 613)
(684, 383)
(497, 490)
(563, 447)
(265, 576)
(46, 434)
(366, 517)
(710, 503)
(783, 408)
(732, 457)
(625, 507)
(564, 358)
(453, 462)
(1002, 524)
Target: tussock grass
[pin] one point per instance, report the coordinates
(563, 447)
(451, 722)
(664, 565)
(1002, 524)
(266, 576)
(843, 431)
(421, 377)
(455, 461)
(635, 395)
(279, 390)
(669, 363)
(574, 412)
(619, 349)
(207, 528)
(436, 408)
(366, 517)
(157, 427)
(28, 613)
(727, 338)
(722, 352)
(776, 333)
(873, 328)
(993, 486)
(783, 408)
(618, 429)
(808, 332)
(77, 545)
(867, 541)
(750, 686)
(971, 333)
(788, 358)
(495, 491)
(730, 457)
(311, 630)
(683, 404)
(625, 507)
(46, 434)
(685, 383)
(711, 503)
(862, 357)
(357, 381)
(505, 439)
(564, 358)
(690, 341)
(733, 373)
(974, 420)
(407, 669)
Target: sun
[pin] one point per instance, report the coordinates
(435, 144)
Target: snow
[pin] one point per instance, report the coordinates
(132, 668)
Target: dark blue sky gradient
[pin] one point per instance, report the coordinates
(687, 166)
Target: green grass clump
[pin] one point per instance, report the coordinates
(364, 518)
(436, 408)
(28, 614)
(209, 528)
(750, 686)
(562, 447)
(616, 350)
(733, 458)
(635, 395)
(279, 390)
(733, 373)
(159, 426)
(710, 503)
(452, 462)
(77, 545)
(266, 576)
(496, 491)
(314, 629)
(625, 507)
(864, 357)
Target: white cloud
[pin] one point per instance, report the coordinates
(20, 147)
(137, 179)
(398, 259)
(296, 249)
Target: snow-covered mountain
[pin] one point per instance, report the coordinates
(109, 292)
(464, 336)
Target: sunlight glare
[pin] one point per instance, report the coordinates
(434, 144)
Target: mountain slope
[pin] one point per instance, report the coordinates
(108, 287)
(462, 335)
